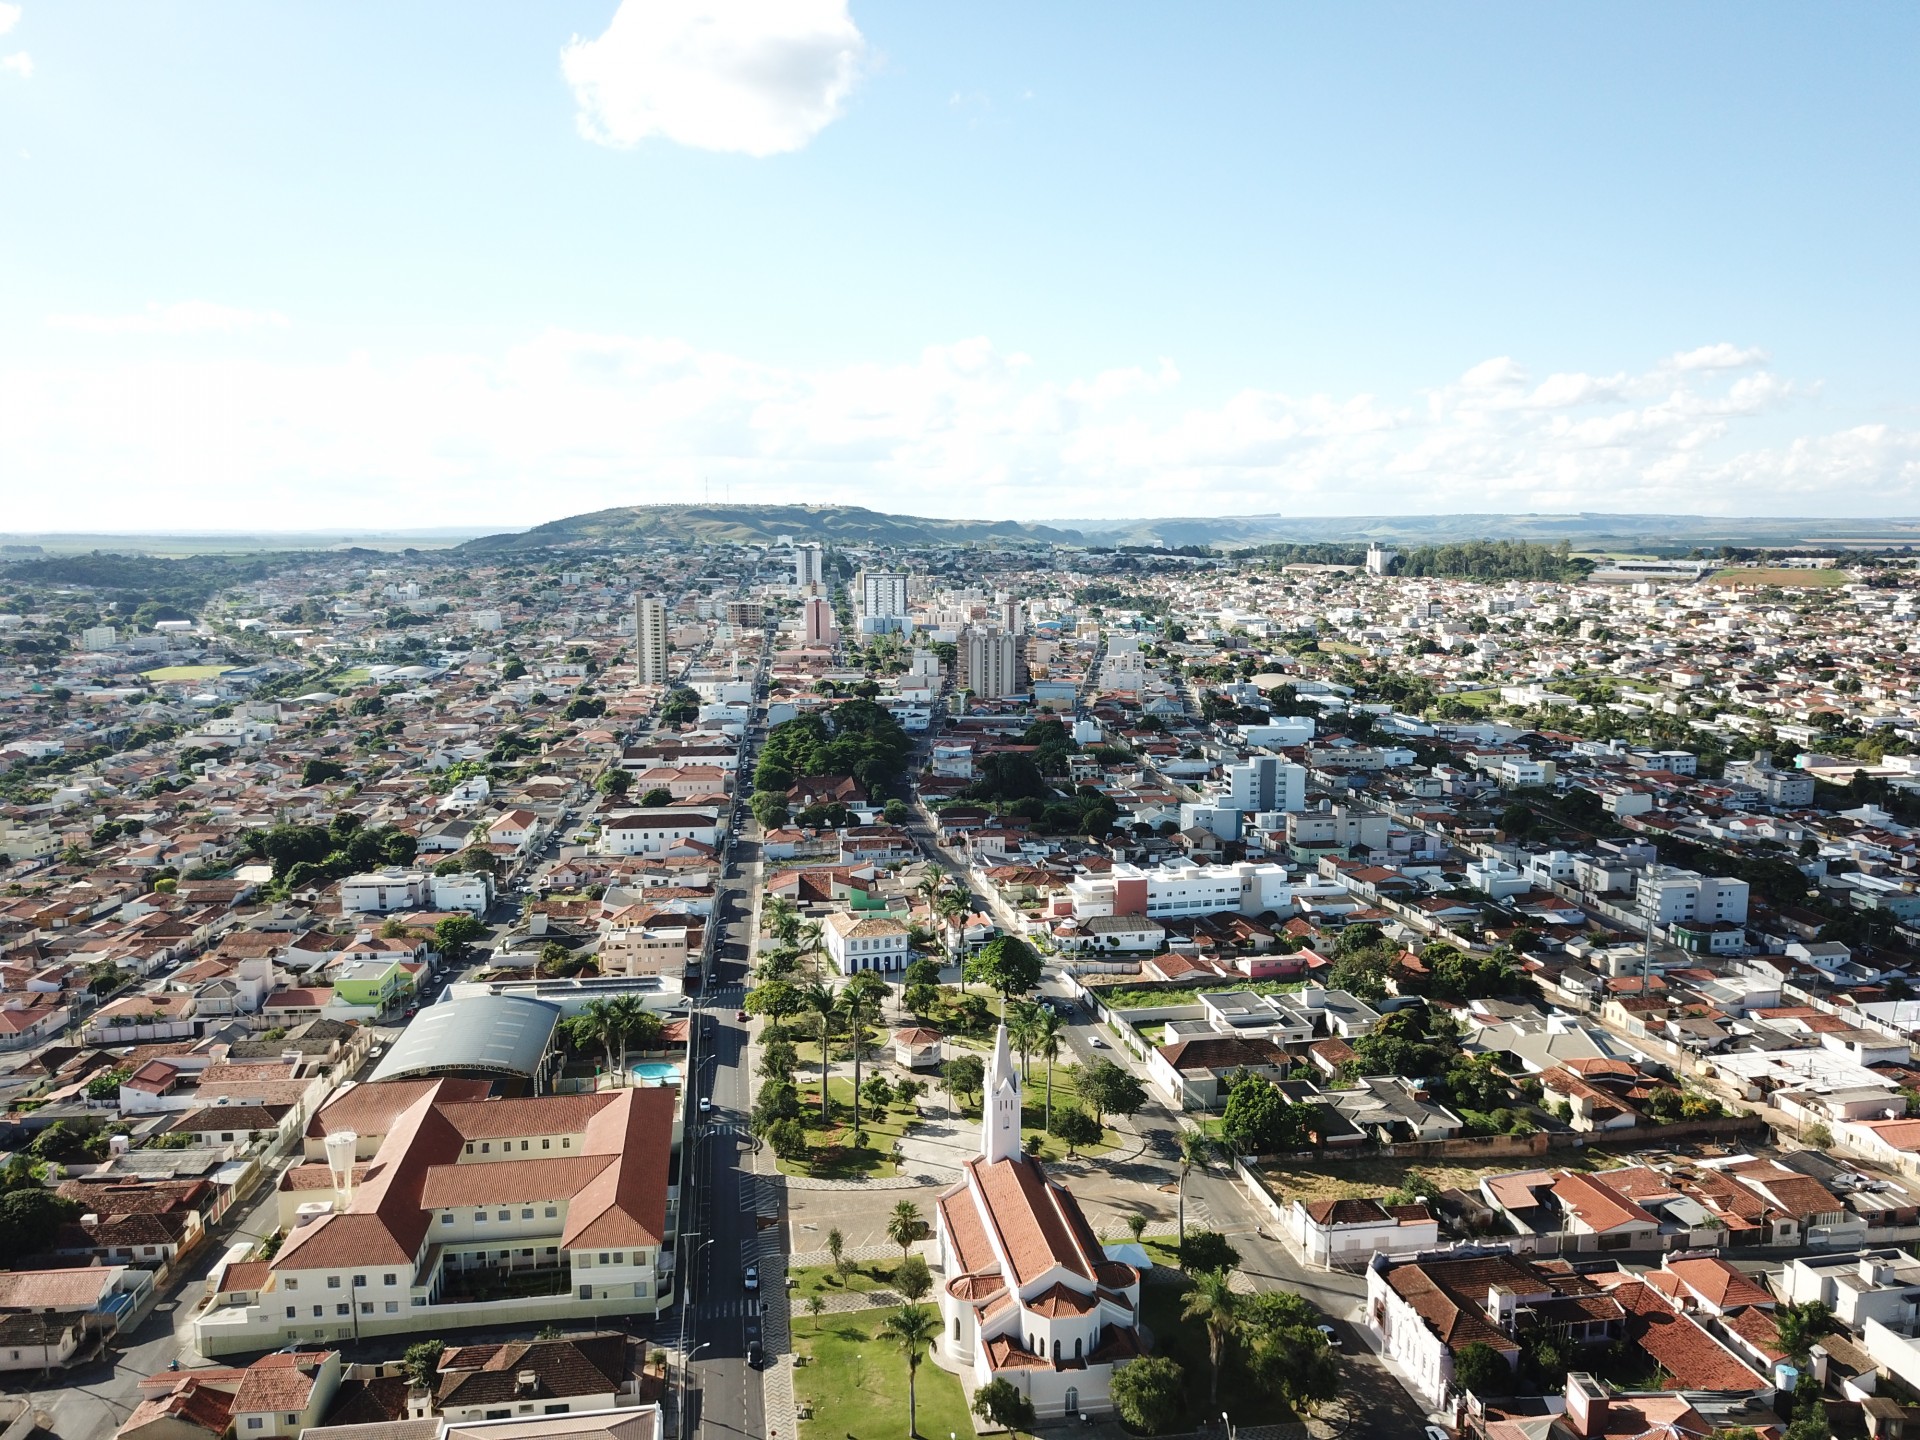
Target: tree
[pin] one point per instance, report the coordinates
(453, 937)
(816, 1306)
(1136, 1226)
(1196, 1148)
(1286, 1354)
(904, 1226)
(422, 1362)
(1216, 1305)
(322, 772)
(913, 1279)
(1076, 1127)
(836, 1246)
(778, 1060)
(1005, 963)
(999, 1403)
(964, 1074)
(1150, 1393)
(821, 1000)
(775, 999)
(1109, 1090)
(31, 1218)
(1207, 1250)
(658, 796)
(1483, 1370)
(788, 1139)
(912, 1329)
(863, 994)
(1048, 1030)
(777, 1103)
(614, 781)
(1798, 1326)
(598, 1023)
(877, 1092)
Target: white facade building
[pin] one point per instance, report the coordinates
(1669, 894)
(650, 640)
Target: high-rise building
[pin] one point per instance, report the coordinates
(650, 639)
(1264, 783)
(818, 622)
(990, 662)
(809, 566)
(883, 594)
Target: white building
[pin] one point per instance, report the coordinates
(655, 832)
(809, 566)
(865, 942)
(1351, 1232)
(1669, 894)
(380, 891)
(470, 890)
(883, 594)
(990, 662)
(1182, 888)
(650, 640)
(1031, 1296)
(1265, 783)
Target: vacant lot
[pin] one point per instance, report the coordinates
(1375, 1176)
(1787, 579)
(184, 672)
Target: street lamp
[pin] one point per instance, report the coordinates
(686, 1366)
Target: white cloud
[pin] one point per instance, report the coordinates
(569, 421)
(184, 317)
(750, 77)
(9, 16)
(19, 62)
(1719, 357)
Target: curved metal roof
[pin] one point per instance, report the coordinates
(504, 1034)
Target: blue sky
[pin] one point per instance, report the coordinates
(304, 265)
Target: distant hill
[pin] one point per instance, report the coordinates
(1584, 531)
(747, 524)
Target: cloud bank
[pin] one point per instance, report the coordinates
(748, 77)
(198, 432)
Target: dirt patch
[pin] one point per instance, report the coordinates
(1373, 1176)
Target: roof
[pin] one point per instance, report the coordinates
(577, 1365)
(371, 1109)
(278, 1382)
(1719, 1283)
(638, 1423)
(498, 1034)
(70, 1289)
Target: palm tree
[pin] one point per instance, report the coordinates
(598, 1023)
(1021, 1017)
(854, 1002)
(1048, 1028)
(1798, 1326)
(904, 1226)
(816, 1303)
(1195, 1149)
(1136, 1226)
(630, 1015)
(913, 1328)
(808, 940)
(822, 1001)
(1212, 1301)
(953, 907)
(782, 917)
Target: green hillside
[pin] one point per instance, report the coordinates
(747, 524)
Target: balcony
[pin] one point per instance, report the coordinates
(500, 1282)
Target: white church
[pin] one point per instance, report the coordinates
(1031, 1295)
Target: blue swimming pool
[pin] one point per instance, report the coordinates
(656, 1072)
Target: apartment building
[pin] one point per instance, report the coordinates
(1245, 888)
(650, 640)
(1671, 895)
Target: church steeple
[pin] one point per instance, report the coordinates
(1000, 1112)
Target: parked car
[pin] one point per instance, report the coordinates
(741, 1016)
(1333, 1336)
(706, 1105)
(750, 1277)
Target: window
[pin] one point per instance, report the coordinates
(559, 1409)
(366, 1307)
(343, 1309)
(226, 1135)
(546, 1144)
(524, 1144)
(603, 1257)
(619, 1258)
(486, 1147)
(479, 1217)
(254, 1422)
(389, 1279)
(359, 1281)
(292, 1284)
(318, 1311)
(333, 1282)
(293, 1419)
(506, 1214)
(526, 1214)
(566, 1142)
(446, 1219)
(552, 1210)
(290, 1312)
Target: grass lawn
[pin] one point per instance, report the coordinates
(1340, 647)
(1474, 699)
(360, 675)
(1783, 576)
(1186, 1341)
(831, 1153)
(857, 1384)
(1033, 1109)
(185, 672)
(824, 1280)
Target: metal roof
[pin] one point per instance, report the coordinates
(504, 1034)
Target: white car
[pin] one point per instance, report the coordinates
(706, 1105)
(1333, 1336)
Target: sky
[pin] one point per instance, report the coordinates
(303, 265)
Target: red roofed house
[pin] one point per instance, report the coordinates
(1031, 1296)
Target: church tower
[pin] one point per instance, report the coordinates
(1000, 1115)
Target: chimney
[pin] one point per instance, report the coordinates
(1586, 1404)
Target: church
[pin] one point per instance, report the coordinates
(1031, 1296)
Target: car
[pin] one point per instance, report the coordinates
(1434, 1432)
(1333, 1336)
(706, 1105)
(750, 1277)
(753, 1357)
(1096, 1042)
(741, 1016)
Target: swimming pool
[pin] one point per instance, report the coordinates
(656, 1072)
